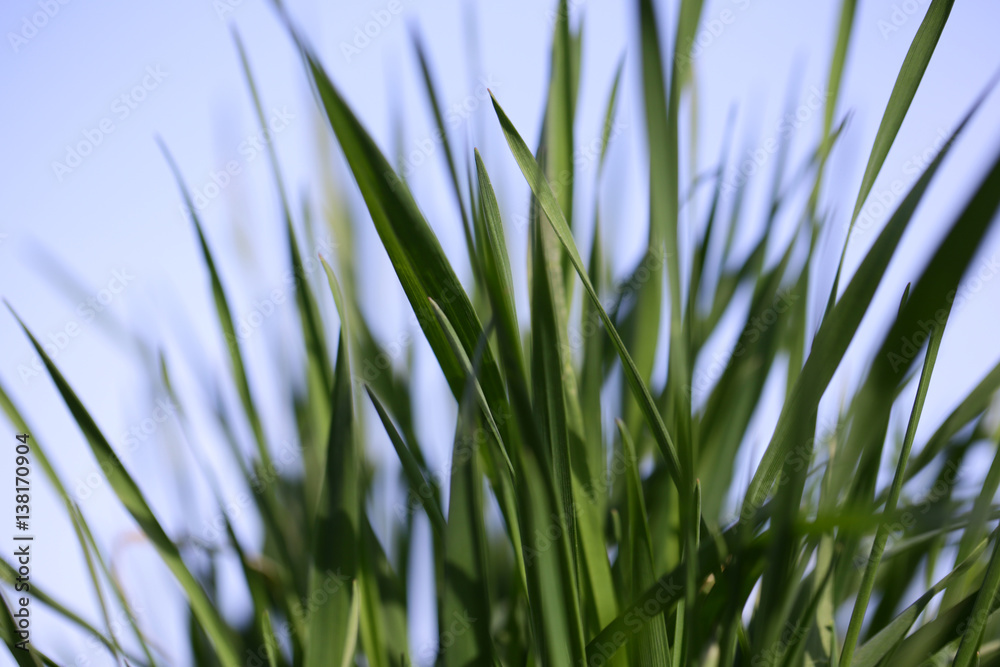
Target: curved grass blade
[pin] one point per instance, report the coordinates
(543, 192)
(131, 497)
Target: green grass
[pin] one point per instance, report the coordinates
(613, 547)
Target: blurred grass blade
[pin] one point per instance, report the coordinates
(466, 604)
(986, 602)
(649, 647)
(337, 533)
(878, 546)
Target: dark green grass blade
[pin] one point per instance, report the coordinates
(419, 262)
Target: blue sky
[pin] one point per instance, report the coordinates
(88, 199)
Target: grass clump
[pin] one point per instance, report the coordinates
(614, 545)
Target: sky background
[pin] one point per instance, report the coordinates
(108, 228)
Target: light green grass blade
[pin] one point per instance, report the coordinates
(499, 280)
(550, 392)
(225, 318)
(387, 611)
(552, 596)
(270, 641)
(9, 574)
(663, 205)
(24, 657)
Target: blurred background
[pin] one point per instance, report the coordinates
(94, 240)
